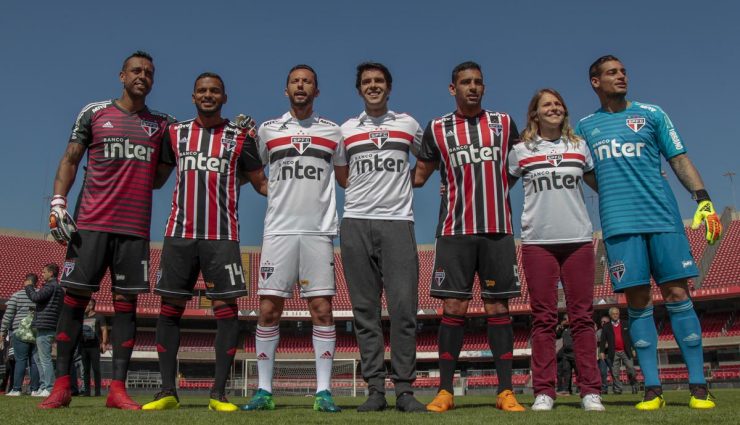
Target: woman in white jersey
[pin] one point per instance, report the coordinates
(557, 243)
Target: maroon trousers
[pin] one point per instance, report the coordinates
(573, 265)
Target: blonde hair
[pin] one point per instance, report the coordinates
(529, 135)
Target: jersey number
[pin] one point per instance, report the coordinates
(233, 270)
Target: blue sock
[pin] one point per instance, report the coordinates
(687, 331)
(645, 340)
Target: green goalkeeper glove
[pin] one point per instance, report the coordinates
(705, 212)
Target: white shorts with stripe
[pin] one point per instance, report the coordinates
(306, 260)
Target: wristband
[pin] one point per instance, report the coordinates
(701, 195)
(58, 201)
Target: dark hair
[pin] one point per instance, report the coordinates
(210, 75)
(137, 54)
(33, 277)
(306, 67)
(595, 68)
(462, 67)
(53, 268)
(373, 65)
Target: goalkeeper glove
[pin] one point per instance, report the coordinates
(705, 212)
(246, 122)
(61, 224)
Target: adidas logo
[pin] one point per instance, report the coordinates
(641, 344)
(184, 140)
(692, 337)
(263, 356)
(446, 356)
(326, 355)
(449, 133)
(108, 124)
(595, 132)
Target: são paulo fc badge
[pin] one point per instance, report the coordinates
(228, 144)
(616, 271)
(554, 159)
(266, 270)
(636, 124)
(300, 143)
(497, 127)
(150, 127)
(439, 276)
(68, 267)
(378, 138)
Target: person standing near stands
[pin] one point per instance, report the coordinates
(643, 232)
(470, 147)
(93, 343)
(377, 237)
(18, 307)
(604, 364)
(122, 140)
(202, 233)
(48, 301)
(556, 247)
(615, 348)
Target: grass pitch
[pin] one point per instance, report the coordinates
(475, 410)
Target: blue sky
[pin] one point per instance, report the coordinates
(59, 56)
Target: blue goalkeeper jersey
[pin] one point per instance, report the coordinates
(626, 147)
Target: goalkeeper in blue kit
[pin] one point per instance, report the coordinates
(641, 223)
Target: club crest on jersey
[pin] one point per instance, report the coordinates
(636, 124)
(616, 271)
(301, 143)
(497, 127)
(68, 267)
(554, 159)
(379, 138)
(266, 270)
(439, 276)
(228, 144)
(150, 127)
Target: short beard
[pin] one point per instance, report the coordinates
(210, 113)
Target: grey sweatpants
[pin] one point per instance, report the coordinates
(380, 255)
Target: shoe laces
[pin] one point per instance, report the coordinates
(166, 393)
(652, 393)
(542, 399)
(701, 392)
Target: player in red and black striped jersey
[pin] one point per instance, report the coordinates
(213, 156)
(474, 235)
(122, 138)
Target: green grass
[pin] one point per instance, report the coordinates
(297, 410)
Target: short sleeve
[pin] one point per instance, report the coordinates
(428, 151)
(514, 168)
(340, 154)
(418, 136)
(588, 164)
(249, 158)
(166, 154)
(669, 141)
(513, 134)
(82, 128)
(262, 145)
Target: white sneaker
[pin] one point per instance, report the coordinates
(543, 402)
(35, 393)
(14, 393)
(41, 393)
(592, 403)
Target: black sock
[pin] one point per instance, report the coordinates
(123, 336)
(501, 341)
(168, 342)
(69, 329)
(451, 333)
(227, 336)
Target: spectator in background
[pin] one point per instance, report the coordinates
(566, 357)
(94, 342)
(24, 347)
(604, 364)
(9, 361)
(48, 300)
(616, 348)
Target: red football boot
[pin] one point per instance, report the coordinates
(60, 396)
(119, 399)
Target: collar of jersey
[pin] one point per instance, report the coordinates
(287, 117)
(363, 117)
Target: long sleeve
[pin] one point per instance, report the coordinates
(9, 315)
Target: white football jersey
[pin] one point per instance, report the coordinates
(377, 151)
(552, 175)
(301, 155)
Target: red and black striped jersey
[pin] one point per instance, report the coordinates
(204, 203)
(123, 151)
(472, 154)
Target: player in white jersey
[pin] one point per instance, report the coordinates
(377, 237)
(301, 150)
(556, 244)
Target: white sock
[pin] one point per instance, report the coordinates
(324, 341)
(265, 345)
